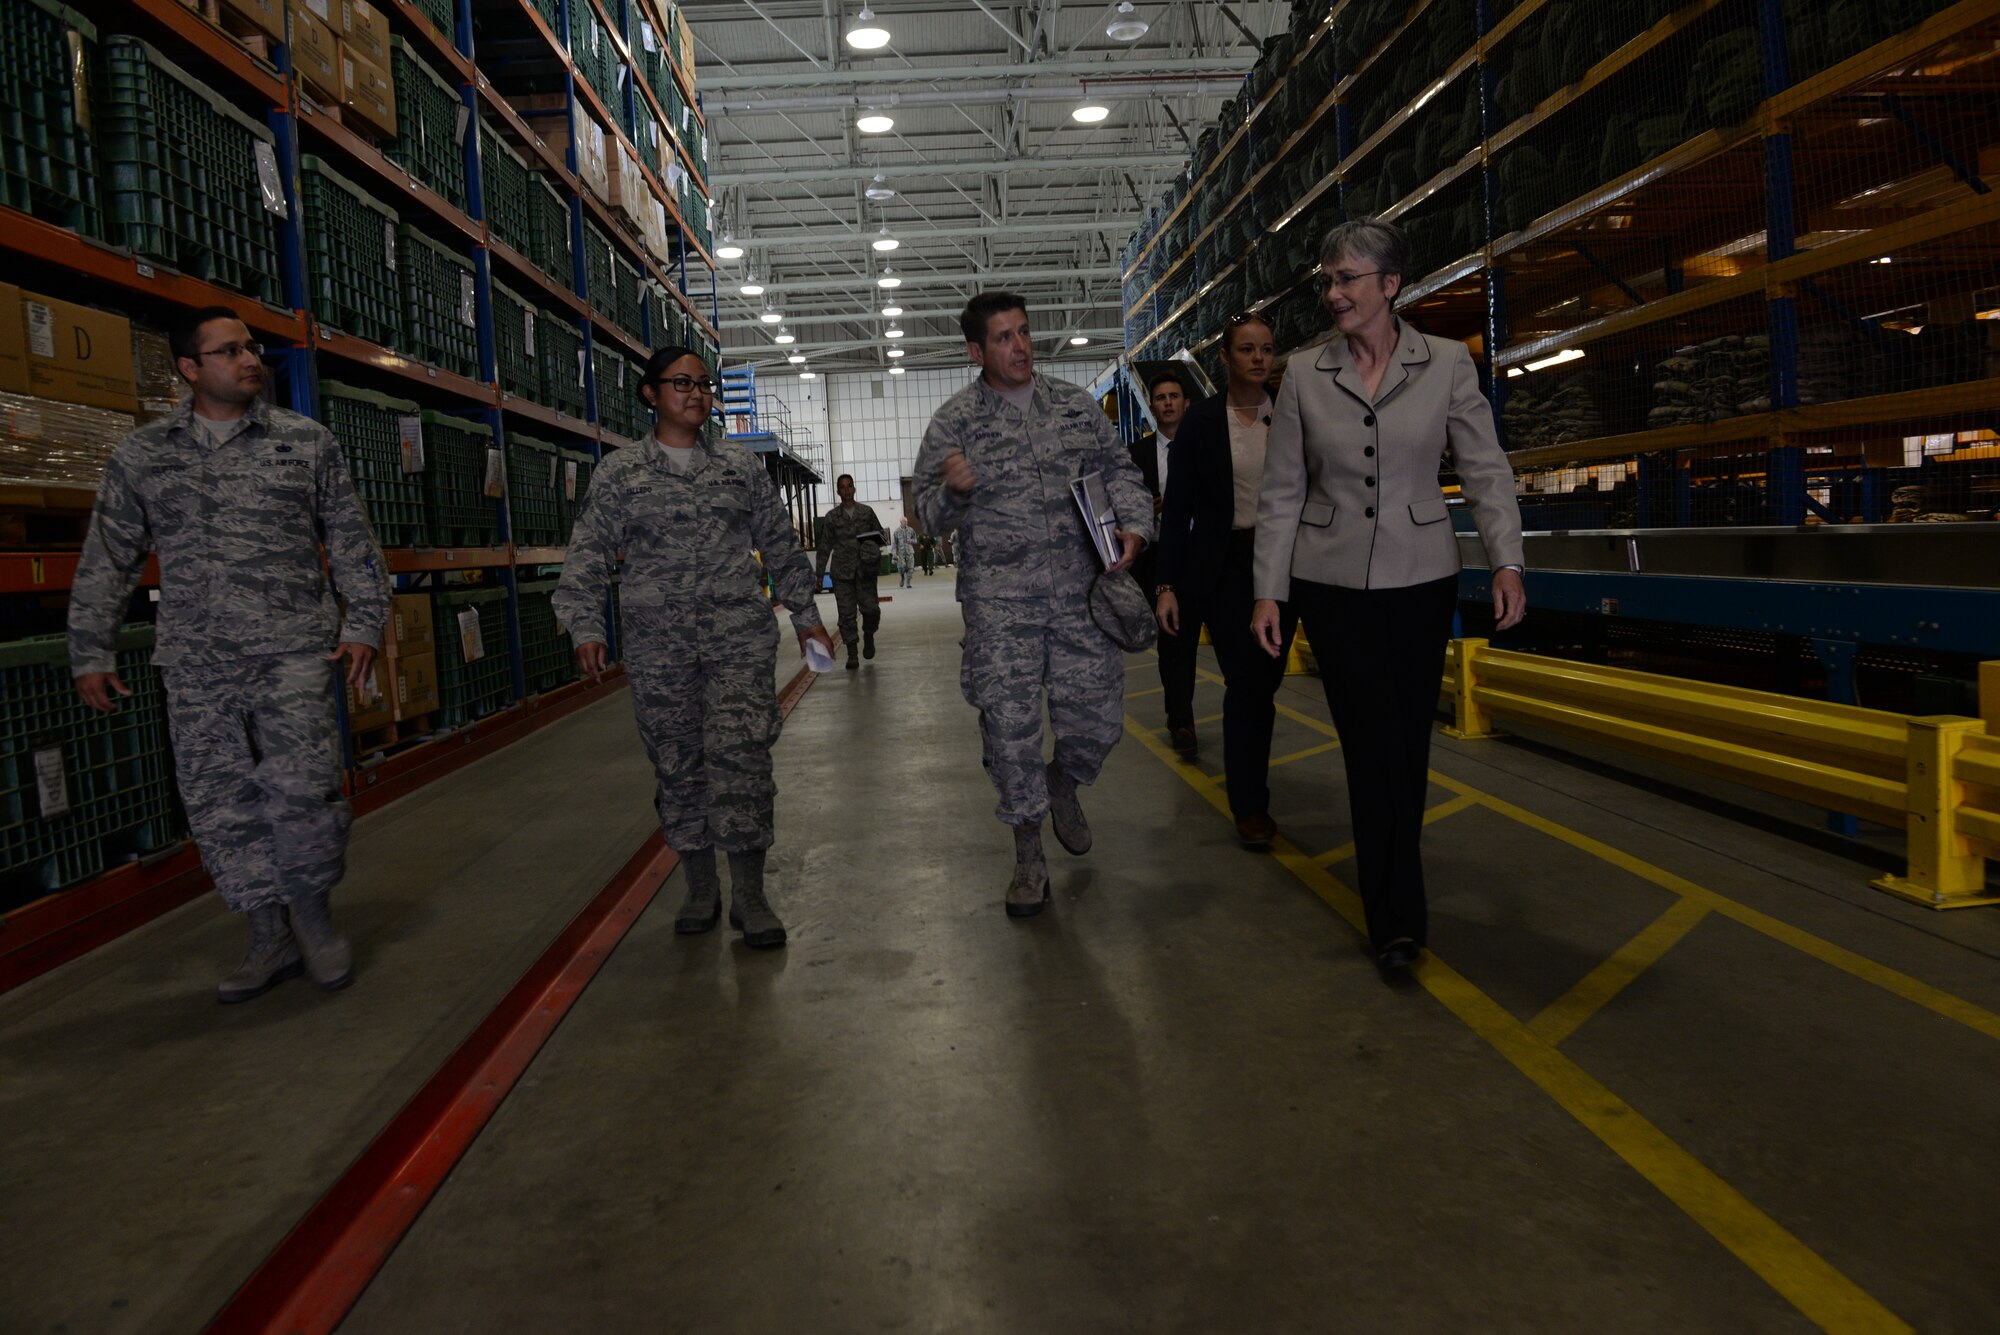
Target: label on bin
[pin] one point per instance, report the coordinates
(470, 644)
(496, 475)
(389, 243)
(467, 312)
(269, 183)
(51, 784)
(528, 330)
(553, 461)
(410, 432)
(464, 119)
(569, 479)
(579, 368)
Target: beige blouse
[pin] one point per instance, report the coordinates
(1246, 461)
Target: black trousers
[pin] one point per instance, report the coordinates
(1381, 659)
(1250, 676)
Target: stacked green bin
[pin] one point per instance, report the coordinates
(560, 345)
(350, 256)
(47, 161)
(182, 180)
(618, 404)
(572, 504)
(534, 492)
(440, 315)
(694, 211)
(370, 433)
(666, 322)
(646, 134)
(116, 769)
(457, 508)
(507, 181)
(547, 659)
(429, 142)
(628, 302)
(549, 217)
(443, 15)
(596, 59)
(471, 689)
(514, 343)
(599, 285)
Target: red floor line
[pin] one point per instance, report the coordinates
(320, 1270)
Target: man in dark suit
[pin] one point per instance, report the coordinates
(1168, 396)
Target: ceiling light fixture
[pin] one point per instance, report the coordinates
(867, 34)
(1566, 355)
(728, 250)
(1125, 26)
(797, 359)
(888, 278)
(784, 336)
(1090, 113)
(895, 352)
(877, 189)
(872, 121)
(895, 370)
(807, 375)
(892, 310)
(771, 314)
(883, 241)
(751, 287)
(892, 332)
(1078, 341)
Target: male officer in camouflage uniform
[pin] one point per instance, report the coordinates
(996, 465)
(237, 497)
(905, 547)
(851, 538)
(689, 510)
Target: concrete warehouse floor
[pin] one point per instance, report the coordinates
(1672, 1068)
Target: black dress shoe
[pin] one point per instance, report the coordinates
(1395, 961)
(1186, 744)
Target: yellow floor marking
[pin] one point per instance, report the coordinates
(1306, 754)
(1431, 817)
(1140, 695)
(1799, 1274)
(1594, 990)
(1923, 994)
(1933, 999)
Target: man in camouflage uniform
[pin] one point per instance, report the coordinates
(237, 498)
(905, 546)
(690, 511)
(851, 540)
(996, 465)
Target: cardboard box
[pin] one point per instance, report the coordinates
(628, 189)
(410, 630)
(415, 685)
(366, 90)
(365, 29)
(540, 112)
(265, 16)
(315, 51)
(373, 705)
(77, 354)
(13, 342)
(684, 48)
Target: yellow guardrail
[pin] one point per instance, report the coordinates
(1937, 779)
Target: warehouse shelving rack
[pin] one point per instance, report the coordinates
(1648, 223)
(303, 346)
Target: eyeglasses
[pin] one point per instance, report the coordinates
(1342, 281)
(1246, 317)
(232, 351)
(687, 384)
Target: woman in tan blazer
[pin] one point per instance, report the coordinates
(1353, 532)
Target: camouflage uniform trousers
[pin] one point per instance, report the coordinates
(852, 595)
(257, 756)
(703, 691)
(1015, 648)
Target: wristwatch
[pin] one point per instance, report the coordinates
(1159, 589)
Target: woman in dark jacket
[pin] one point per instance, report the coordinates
(1207, 556)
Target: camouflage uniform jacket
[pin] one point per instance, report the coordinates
(686, 537)
(238, 528)
(904, 543)
(852, 538)
(1020, 534)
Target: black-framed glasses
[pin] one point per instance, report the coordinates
(1342, 281)
(687, 384)
(233, 350)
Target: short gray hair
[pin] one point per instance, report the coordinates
(1382, 244)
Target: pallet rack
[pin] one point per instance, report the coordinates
(467, 404)
(1636, 263)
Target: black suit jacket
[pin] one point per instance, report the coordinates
(1146, 454)
(1201, 499)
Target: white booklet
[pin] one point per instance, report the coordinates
(1098, 517)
